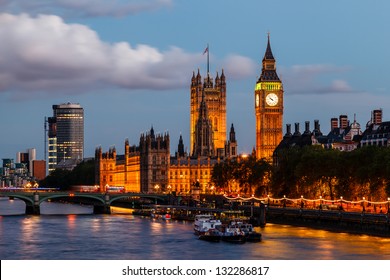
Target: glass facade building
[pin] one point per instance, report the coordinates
(65, 135)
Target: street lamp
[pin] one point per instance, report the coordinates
(156, 187)
(284, 201)
(301, 201)
(169, 189)
(364, 200)
(253, 201)
(341, 203)
(388, 205)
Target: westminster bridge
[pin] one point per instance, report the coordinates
(101, 201)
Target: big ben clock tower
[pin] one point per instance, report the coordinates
(268, 107)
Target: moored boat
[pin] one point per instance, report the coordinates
(233, 234)
(163, 216)
(211, 235)
(250, 234)
(204, 223)
(166, 216)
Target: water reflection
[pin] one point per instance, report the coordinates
(118, 236)
(55, 208)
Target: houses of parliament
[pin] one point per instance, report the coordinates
(149, 166)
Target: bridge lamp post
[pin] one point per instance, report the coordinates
(252, 204)
(364, 200)
(341, 203)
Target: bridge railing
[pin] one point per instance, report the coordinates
(362, 205)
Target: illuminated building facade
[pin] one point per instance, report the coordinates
(268, 107)
(66, 136)
(149, 167)
(154, 157)
(118, 170)
(213, 94)
(203, 140)
(27, 158)
(52, 143)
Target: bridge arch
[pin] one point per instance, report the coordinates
(104, 200)
(128, 195)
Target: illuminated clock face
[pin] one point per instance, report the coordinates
(257, 100)
(272, 99)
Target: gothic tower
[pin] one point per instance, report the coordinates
(154, 161)
(268, 107)
(231, 145)
(215, 99)
(203, 142)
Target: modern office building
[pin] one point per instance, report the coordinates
(39, 169)
(27, 158)
(65, 136)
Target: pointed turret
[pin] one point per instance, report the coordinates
(217, 81)
(193, 80)
(198, 78)
(223, 77)
(232, 134)
(268, 72)
(268, 52)
(180, 147)
(152, 136)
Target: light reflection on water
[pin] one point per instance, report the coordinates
(70, 236)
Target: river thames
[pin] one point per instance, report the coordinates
(72, 232)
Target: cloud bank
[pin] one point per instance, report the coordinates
(316, 79)
(45, 54)
(83, 8)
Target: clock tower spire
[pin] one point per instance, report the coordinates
(268, 107)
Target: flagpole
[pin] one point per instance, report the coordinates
(208, 59)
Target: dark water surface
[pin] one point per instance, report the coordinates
(65, 231)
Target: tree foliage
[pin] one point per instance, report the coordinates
(245, 175)
(82, 174)
(312, 171)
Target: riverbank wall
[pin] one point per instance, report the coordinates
(337, 221)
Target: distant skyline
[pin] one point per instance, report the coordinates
(129, 64)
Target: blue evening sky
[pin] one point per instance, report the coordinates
(129, 64)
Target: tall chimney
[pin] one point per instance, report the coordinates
(307, 127)
(377, 116)
(288, 129)
(333, 123)
(343, 121)
(297, 133)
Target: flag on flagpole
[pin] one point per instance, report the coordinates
(206, 50)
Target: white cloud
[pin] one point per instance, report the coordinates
(45, 54)
(89, 8)
(316, 79)
(239, 66)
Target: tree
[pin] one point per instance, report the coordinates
(249, 173)
(82, 174)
